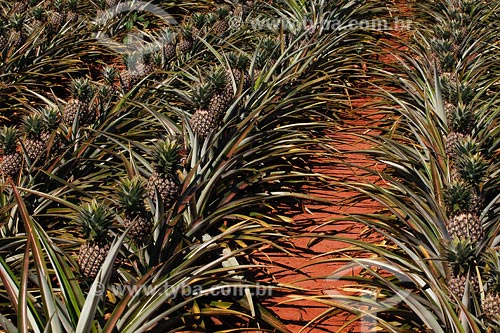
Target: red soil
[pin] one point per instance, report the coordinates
(295, 310)
(298, 268)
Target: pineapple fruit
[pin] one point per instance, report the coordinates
(221, 25)
(465, 226)
(130, 198)
(79, 106)
(204, 120)
(11, 159)
(17, 36)
(56, 15)
(163, 179)
(185, 43)
(33, 144)
(95, 221)
(72, 11)
(460, 256)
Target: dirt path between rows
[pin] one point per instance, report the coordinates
(298, 269)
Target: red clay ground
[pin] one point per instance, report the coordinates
(297, 269)
(289, 269)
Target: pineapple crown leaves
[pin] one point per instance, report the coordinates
(467, 145)
(238, 61)
(17, 21)
(8, 139)
(109, 74)
(82, 89)
(95, 220)
(457, 197)
(460, 254)
(51, 118)
(130, 194)
(72, 5)
(33, 125)
(200, 95)
(58, 5)
(217, 79)
(38, 13)
(166, 156)
(472, 168)
(186, 32)
(222, 12)
(198, 20)
(461, 119)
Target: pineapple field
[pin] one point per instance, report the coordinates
(250, 166)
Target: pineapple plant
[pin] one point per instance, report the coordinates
(465, 225)
(11, 158)
(136, 69)
(95, 221)
(491, 302)
(461, 257)
(163, 179)
(130, 197)
(33, 144)
(204, 120)
(78, 107)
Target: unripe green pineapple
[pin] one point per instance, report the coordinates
(461, 259)
(78, 107)
(33, 144)
(95, 221)
(163, 179)
(465, 226)
(491, 302)
(130, 197)
(11, 159)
